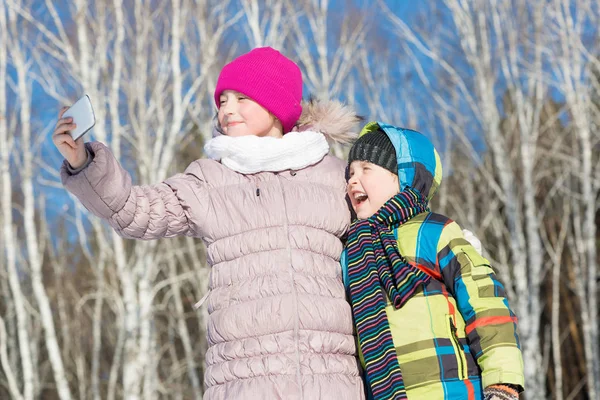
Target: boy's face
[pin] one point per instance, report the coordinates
(369, 187)
(239, 115)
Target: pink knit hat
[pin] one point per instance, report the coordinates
(269, 78)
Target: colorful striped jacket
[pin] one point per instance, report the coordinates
(458, 335)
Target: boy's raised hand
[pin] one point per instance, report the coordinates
(72, 150)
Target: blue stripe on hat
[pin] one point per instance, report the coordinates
(411, 147)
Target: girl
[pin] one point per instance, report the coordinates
(270, 206)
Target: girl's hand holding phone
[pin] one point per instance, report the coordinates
(67, 136)
(72, 150)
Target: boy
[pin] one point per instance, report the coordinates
(431, 318)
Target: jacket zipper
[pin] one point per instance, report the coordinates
(294, 291)
(460, 356)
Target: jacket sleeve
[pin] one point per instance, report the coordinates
(491, 326)
(138, 212)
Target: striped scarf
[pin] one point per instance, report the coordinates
(374, 263)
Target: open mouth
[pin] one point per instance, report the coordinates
(360, 198)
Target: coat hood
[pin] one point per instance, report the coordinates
(338, 122)
(419, 164)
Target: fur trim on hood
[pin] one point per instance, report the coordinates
(338, 122)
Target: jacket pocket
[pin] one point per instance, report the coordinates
(482, 275)
(461, 360)
(480, 267)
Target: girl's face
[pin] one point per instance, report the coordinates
(369, 187)
(241, 116)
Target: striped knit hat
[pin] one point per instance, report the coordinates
(377, 148)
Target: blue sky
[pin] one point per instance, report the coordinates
(44, 108)
(426, 14)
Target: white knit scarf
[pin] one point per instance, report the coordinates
(252, 154)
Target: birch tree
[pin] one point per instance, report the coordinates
(503, 45)
(95, 60)
(508, 90)
(325, 44)
(572, 67)
(25, 162)
(24, 387)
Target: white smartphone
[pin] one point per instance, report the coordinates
(83, 116)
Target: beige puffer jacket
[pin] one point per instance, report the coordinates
(279, 325)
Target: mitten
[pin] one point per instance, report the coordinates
(500, 392)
